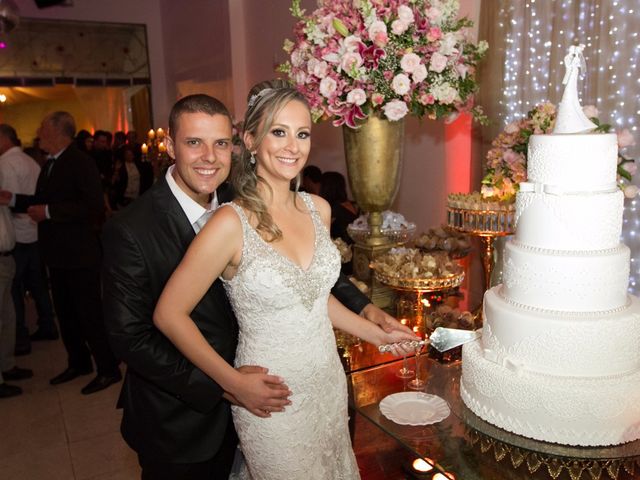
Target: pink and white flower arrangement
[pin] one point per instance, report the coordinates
(507, 159)
(356, 58)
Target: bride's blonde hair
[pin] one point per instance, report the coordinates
(266, 100)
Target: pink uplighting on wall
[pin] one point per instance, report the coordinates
(458, 155)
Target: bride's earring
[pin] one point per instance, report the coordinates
(252, 160)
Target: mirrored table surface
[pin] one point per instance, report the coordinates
(463, 446)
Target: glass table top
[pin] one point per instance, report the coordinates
(463, 446)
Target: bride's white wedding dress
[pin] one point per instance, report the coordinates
(284, 326)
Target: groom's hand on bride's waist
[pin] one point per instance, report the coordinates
(259, 392)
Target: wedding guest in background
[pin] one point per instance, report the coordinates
(132, 141)
(103, 156)
(131, 177)
(175, 417)
(343, 210)
(119, 140)
(36, 152)
(84, 141)
(68, 207)
(19, 174)
(311, 179)
(8, 368)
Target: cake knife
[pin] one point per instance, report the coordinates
(442, 339)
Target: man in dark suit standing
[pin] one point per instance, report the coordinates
(175, 417)
(68, 206)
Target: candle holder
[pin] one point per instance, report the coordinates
(154, 151)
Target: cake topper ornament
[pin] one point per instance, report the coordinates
(571, 118)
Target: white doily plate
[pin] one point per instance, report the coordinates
(414, 408)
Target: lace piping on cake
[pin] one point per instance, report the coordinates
(568, 253)
(562, 313)
(539, 432)
(564, 348)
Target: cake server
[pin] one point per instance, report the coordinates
(442, 339)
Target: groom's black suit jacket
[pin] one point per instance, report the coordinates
(173, 412)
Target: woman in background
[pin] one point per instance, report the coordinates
(343, 211)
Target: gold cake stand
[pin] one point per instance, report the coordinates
(536, 459)
(419, 287)
(487, 224)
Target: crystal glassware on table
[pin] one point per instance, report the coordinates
(404, 310)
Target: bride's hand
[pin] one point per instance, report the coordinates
(381, 318)
(260, 393)
(397, 337)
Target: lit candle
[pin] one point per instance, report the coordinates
(446, 476)
(422, 466)
(144, 149)
(160, 134)
(151, 134)
(404, 321)
(161, 147)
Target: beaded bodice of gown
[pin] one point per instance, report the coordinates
(284, 326)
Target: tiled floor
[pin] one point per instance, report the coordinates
(56, 433)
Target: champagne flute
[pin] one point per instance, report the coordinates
(417, 383)
(404, 371)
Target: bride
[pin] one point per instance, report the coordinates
(272, 249)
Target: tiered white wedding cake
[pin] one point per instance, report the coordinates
(559, 357)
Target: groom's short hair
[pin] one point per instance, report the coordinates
(198, 103)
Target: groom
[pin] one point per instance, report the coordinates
(175, 417)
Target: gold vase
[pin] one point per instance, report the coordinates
(374, 159)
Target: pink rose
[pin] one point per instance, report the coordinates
(378, 33)
(352, 43)
(631, 191)
(405, 14)
(351, 61)
(630, 167)
(321, 69)
(438, 62)
(419, 74)
(377, 99)
(357, 96)
(300, 77)
(401, 84)
(395, 110)
(427, 99)
(409, 62)
(512, 158)
(590, 111)
(434, 34)
(398, 27)
(328, 87)
(297, 58)
(625, 138)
